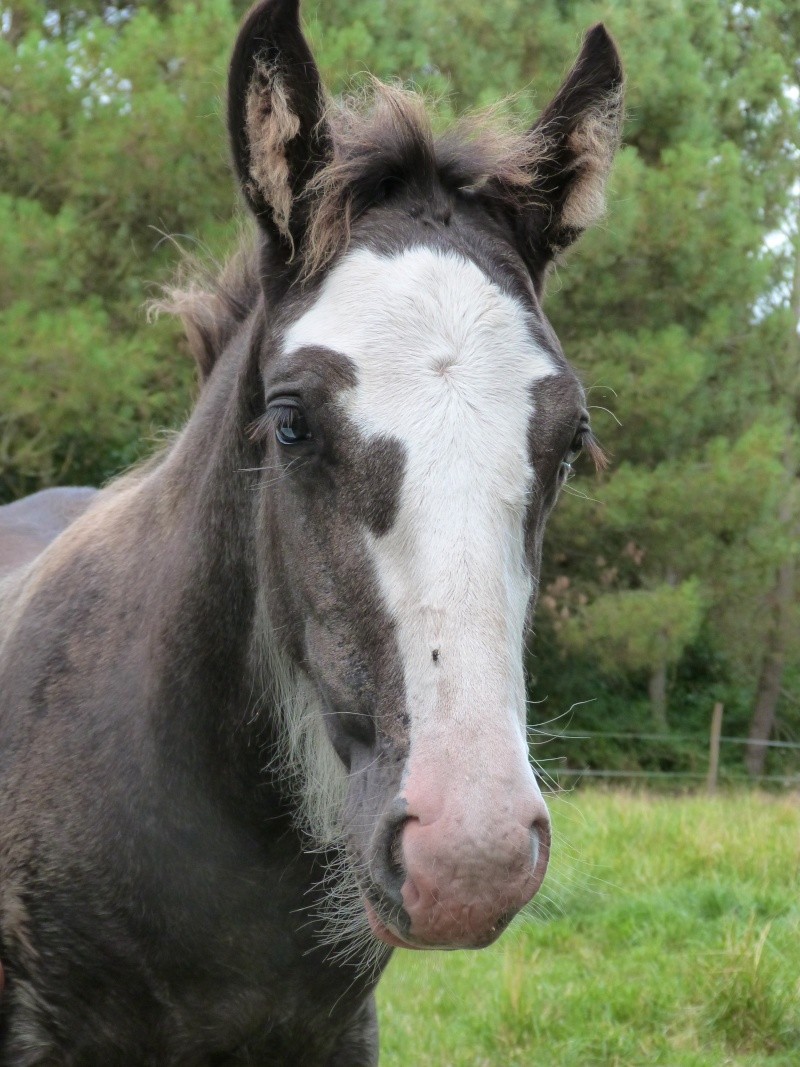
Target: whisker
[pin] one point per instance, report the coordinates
(600, 385)
(608, 411)
(563, 714)
(584, 496)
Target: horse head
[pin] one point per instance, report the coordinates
(419, 419)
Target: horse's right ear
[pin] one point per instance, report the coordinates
(276, 120)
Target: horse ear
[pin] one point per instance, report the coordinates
(276, 119)
(576, 137)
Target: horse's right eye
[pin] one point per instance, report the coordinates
(291, 427)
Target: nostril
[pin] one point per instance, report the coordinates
(395, 862)
(534, 847)
(541, 828)
(540, 844)
(388, 863)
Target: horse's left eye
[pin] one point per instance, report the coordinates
(574, 451)
(291, 427)
(575, 448)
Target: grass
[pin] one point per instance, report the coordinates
(668, 932)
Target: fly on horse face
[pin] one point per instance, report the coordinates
(262, 700)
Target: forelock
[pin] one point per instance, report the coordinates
(384, 140)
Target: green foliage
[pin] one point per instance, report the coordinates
(636, 629)
(74, 379)
(676, 311)
(110, 133)
(665, 313)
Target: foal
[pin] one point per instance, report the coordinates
(262, 705)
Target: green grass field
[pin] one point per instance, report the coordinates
(667, 932)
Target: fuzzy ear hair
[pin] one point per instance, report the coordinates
(576, 138)
(275, 118)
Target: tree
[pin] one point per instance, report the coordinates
(665, 310)
(780, 632)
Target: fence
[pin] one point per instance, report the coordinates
(554, 773)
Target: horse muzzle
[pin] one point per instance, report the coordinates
(455, 880)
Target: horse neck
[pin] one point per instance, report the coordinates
(198, 518)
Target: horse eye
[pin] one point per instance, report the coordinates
(291, 427)
(575, 449)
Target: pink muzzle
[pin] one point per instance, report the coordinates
(470, 858)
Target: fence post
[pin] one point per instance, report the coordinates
(713, 751)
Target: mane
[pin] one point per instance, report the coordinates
(382, 139)
(212, 301)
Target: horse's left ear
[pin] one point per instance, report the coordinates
(575, 139)
(276, 120)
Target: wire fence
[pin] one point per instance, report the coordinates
(586, 735)
(745, 779)
(552, 776)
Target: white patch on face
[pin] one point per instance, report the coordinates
(445, 362)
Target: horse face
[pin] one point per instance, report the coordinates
(412, 481)
(419, 420)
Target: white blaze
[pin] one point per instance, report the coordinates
(445, 362)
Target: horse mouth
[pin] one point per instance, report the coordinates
(383, 932)
(389, 935)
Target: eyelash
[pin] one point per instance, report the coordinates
(594, 450)
(266, 424)
(585, 441)
(277, 418)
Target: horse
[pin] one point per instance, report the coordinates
(28, 526)
(262, 698)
